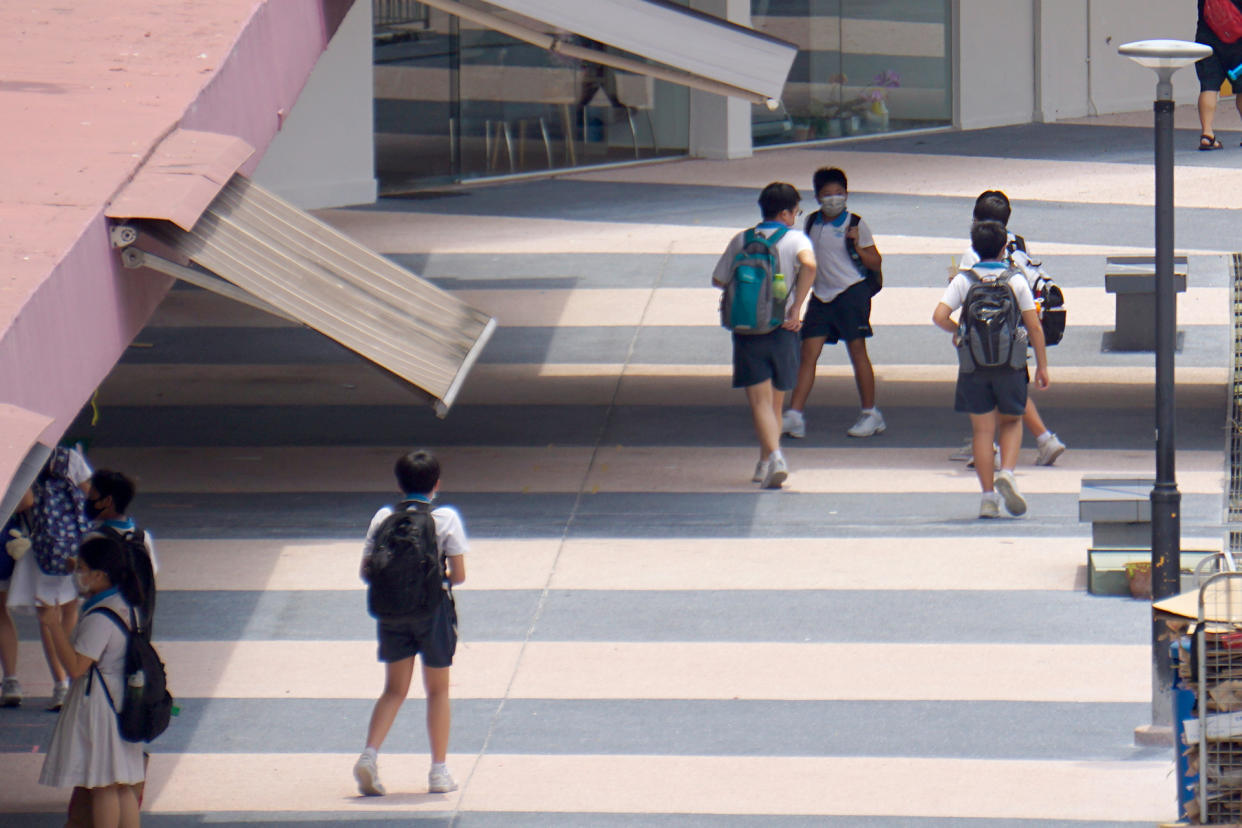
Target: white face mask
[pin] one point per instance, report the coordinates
(832, 205)
(79, 581)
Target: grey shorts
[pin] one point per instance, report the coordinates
(435, 637)
(770, 356)
(1002, 390)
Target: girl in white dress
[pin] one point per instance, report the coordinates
(87, 752)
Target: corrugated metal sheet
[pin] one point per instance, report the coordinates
(310, 271)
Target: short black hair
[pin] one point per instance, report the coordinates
(992, 205)
(828, 175)
(417, 472)
(988, 238)
(115, 485)
(777, 197)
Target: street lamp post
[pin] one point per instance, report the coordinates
(1164, 57)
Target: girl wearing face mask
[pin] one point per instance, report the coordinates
(87, 752)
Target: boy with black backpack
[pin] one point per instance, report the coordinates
(761, 308)
(411, 558)
(107, 504)
(997, 320)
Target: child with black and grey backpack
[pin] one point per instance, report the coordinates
(412, 557)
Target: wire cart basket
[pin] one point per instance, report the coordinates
(1215, 673)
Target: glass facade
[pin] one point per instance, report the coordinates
(455, 101)
(863, 66)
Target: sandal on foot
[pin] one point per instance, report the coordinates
(1209, 142)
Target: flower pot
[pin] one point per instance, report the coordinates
(1139, 577)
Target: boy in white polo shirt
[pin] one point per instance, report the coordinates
(995, 398)
(766, 365)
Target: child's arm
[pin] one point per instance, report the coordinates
(456, 566)
(1035, 331)
(75, 663)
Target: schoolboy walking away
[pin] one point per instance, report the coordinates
(765, 358)
(840, 306)
(998, 317)
(993, 205)
(411, 558)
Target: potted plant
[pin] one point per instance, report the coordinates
(871, 105)
(1138, 574)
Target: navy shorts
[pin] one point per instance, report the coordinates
(434, 637)
(983, 391)
(1211, 69)
(844, 319)
(770, 356)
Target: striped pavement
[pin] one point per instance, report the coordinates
(647, 639)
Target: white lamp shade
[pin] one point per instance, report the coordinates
(1164, 54)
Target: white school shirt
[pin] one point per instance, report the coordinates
(834, 269)
(1021, 260)
(788, 249)
(955, 294)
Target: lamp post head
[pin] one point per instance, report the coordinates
(1164, 57)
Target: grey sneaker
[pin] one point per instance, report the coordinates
(367, 776)
(970, 463)
(793, 424)
(989, 506)
(778, 471)
(868, 423)
(966, 452)
(1007, 487)
(11, 692)
(439, 780)
(761, 471)
(1050, 451)
(59, 693)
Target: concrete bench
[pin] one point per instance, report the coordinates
(1132, 279)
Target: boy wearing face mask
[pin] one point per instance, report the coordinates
(840, 306)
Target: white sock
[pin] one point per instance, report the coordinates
(870, 410)
(775, 455)
(441, 767)
(1043, 438)
(372, 752)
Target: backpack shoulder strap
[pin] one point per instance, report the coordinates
(112, 615)
(854, 219)
(777, 236)
(815, 216)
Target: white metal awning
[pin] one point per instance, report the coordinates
(274, 256)
(704, 52)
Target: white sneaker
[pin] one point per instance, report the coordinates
(966, 452)
(439, 780)
(59, 693)
(11, 692)
(778, 471)
(970, 464)
(868, 423)
(1007, 487)
(793, 424)
(989, 506)
(1050, 451)
(367, 776)
(761, 471)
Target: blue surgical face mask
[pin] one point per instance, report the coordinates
(832, 205)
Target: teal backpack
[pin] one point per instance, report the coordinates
(754, 299)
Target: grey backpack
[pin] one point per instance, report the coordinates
(989, 330)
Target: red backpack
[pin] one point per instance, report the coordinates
(1223, 18)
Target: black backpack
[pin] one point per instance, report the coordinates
(147, 706)
(1049, 298)
(989, 330)
(135, 546)
(874, 278)
(404, 572)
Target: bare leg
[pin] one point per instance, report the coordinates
(1031, 419)
(767, 425)
(983, 435)
(778, 403)
(396, 688)
(49, 653)
(811, 349)
(439, 710)
(8, 638)
(864, 374)
(129, 806)
(1207, 112)
(105, 806)
(1010, 439)
(80, 809)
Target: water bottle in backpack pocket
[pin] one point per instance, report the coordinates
(990, 332)
(753, 301)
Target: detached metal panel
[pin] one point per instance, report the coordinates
(674, 36)
(299, 265)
